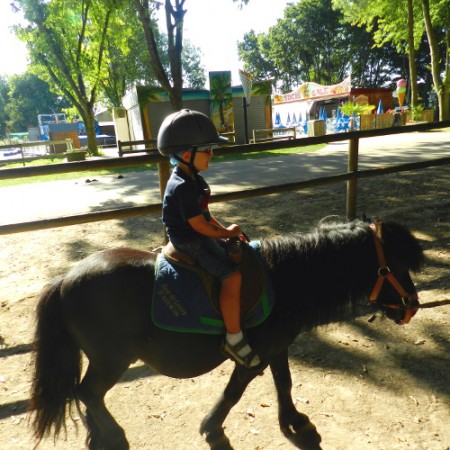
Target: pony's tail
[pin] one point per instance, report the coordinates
(57, 366)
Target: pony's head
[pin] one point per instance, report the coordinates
(398, 252)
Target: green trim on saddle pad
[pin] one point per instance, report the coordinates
(173, 310)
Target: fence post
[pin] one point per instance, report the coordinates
(23, 156)
(164, 175)
(352, 167)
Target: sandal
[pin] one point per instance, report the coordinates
(232, 352)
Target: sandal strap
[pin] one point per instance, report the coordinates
(232, 351)
(236, 348)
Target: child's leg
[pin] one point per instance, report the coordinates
(212, 257)
(230, 308)
(230, 302)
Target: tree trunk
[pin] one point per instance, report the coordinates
(441, 87)
(175, 42)
(175, 38)
(412, 55)
(89, 123)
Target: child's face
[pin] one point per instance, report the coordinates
(202, 158)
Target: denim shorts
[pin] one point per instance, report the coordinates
(210, 255)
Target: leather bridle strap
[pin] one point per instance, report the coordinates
(384, 273)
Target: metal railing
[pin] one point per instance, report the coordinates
(33, 144)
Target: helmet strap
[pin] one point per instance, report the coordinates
(190, 164)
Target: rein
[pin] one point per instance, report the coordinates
(410, 302)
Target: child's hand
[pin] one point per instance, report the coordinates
(235, 230)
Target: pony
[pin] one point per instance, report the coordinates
(101, 307)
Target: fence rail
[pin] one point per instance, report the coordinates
(48, 155)
(351, 176)
(126, 147)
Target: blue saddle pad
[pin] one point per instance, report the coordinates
(181, 303)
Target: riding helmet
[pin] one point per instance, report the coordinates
(184, 129)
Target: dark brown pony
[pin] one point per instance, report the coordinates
(102, 307)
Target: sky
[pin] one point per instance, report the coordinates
(214, 26)
(13, 54)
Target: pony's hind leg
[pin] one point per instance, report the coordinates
(104, 433)
(212, 424)
(295, 426)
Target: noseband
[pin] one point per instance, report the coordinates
(410, 302)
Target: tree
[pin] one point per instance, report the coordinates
(389, 22)
(174, 23)
(28, 97)
(311, 44)
(4, 89)
(66, 40)
(129, 61)
(253, 51)
(193, 70)
(171, 79)
(406, 31)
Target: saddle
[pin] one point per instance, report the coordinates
(240, 253)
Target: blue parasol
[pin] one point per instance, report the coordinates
(380, 109)
(277, 119)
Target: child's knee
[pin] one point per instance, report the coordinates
(233, 279)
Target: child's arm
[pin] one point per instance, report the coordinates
(213, 229)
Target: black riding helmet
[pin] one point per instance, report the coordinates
(186, 130)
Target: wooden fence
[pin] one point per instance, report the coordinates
(127, 147)
(351, 176)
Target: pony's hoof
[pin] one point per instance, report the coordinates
(304, 436)
(217, 440)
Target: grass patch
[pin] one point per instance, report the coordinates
(268, 153)
(139, 168)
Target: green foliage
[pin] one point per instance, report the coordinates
(354, 109)
(66, 40)
(389, 22)
(193, 70)
(254, 52)
(310, 43)
(4, 89)
(385, 19)
(126, 57)
(417, 113)
(28, 97)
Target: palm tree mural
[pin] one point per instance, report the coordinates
(221, 97)
(264, 87)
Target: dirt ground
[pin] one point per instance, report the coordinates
(365, 385)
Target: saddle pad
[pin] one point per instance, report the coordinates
(180, 302)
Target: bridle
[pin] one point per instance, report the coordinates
(410, 302)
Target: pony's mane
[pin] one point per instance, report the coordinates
(325, 237)
(398, 242)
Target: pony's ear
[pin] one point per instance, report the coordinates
(365, 218)
(377, 227)
(400, 243)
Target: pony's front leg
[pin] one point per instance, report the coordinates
(212, 424)
(295, 426)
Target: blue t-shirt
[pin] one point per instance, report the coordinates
(184, 199)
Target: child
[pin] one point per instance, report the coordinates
(190, 138)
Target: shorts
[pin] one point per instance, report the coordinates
(211, 256)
